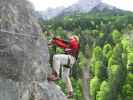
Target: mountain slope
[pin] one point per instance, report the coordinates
(80, 6)
(51, 12)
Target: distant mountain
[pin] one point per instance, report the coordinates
(51, 12)
(80, 6)
(83, 6)
(101, 6)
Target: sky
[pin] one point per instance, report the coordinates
(41, 5)
(44, 4)
(123, 4)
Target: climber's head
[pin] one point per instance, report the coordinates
(76, 37)
(73, 38)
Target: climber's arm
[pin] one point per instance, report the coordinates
(60, 42)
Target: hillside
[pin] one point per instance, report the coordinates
(106, 50)
(82, 6)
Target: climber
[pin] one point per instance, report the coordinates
(71, 50)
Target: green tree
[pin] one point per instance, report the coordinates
(100, 70)
(130, 62)
(114, 81)
(116, 36)
(104, 92)
(127, 91)
(96, 56)
(94, 87)
(107, 51)
(116, 57)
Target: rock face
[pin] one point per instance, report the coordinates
(23, 55)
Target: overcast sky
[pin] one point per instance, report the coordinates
(44, 4)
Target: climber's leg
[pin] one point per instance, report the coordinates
(66, 78)
(68, 82)
(58, 60)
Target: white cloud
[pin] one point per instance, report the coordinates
(123, 4)
(44, 4)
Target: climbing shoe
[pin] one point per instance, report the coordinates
(70, 95)
(53, 77)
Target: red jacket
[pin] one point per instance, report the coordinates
(71, 47)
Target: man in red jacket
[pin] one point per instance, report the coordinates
(71, 50)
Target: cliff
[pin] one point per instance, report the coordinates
(23, 55)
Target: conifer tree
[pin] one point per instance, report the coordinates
(94, 87)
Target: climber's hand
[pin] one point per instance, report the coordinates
(50, 44)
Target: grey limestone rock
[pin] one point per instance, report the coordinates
(23, 55)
